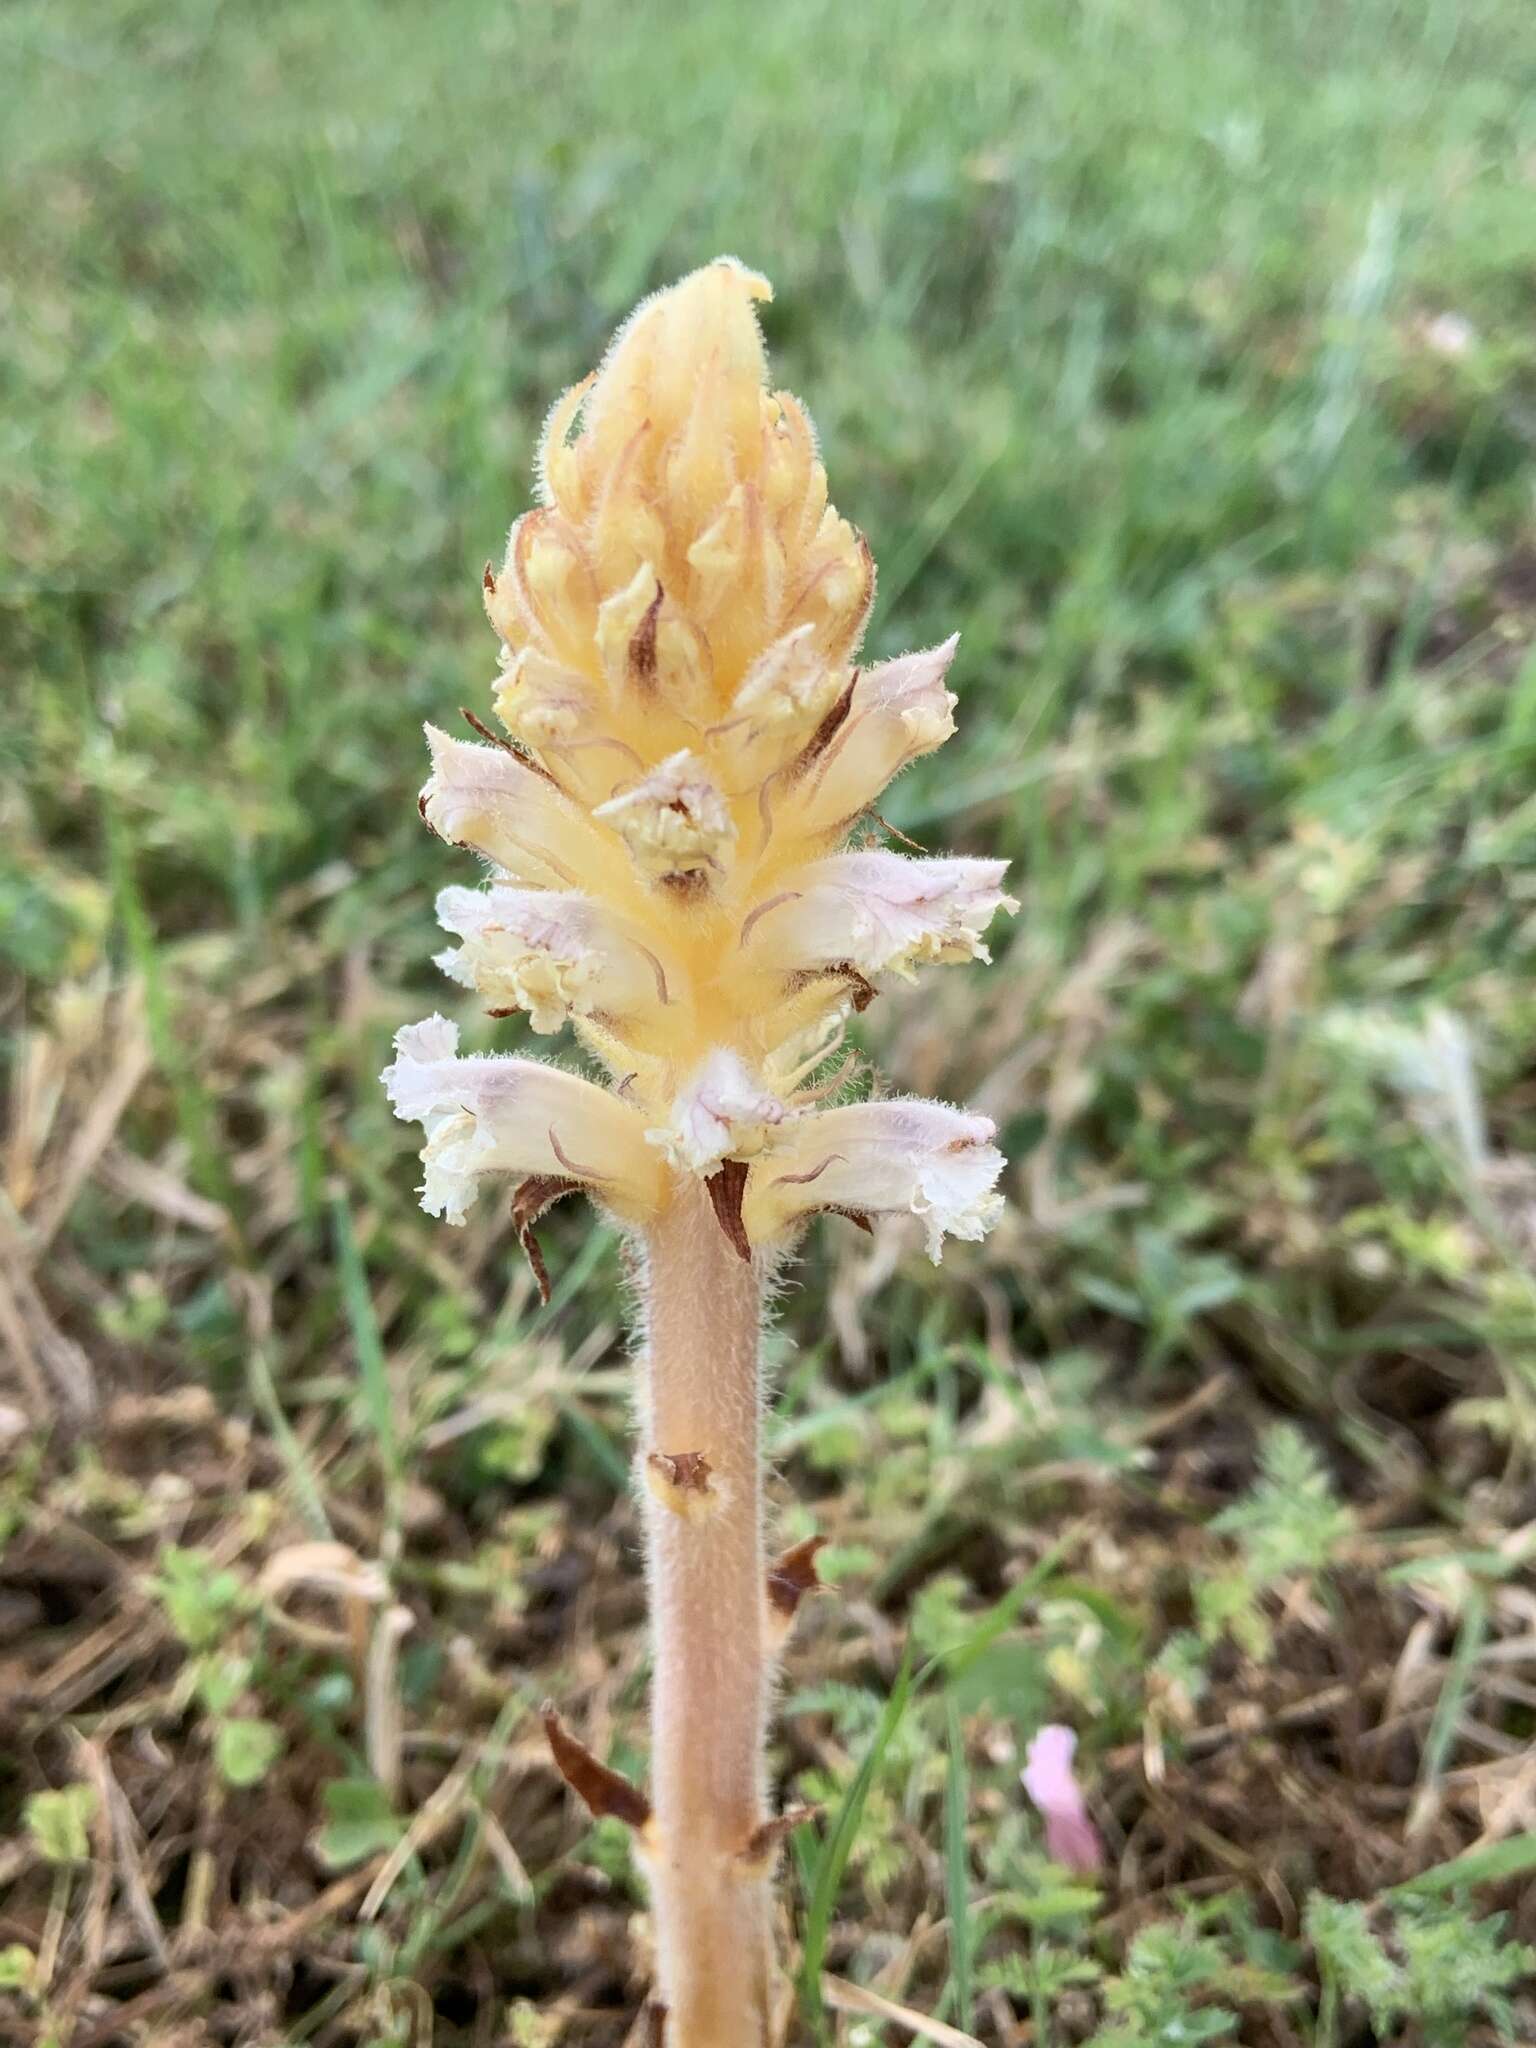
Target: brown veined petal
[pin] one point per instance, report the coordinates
(881, 912)
(493, 801)
(925, 1158)
(899, 711)
(485, 1115)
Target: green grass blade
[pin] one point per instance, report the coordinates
(372, 1368)
(1003, 1613)
(838, 1844)
(604, 1452)
(1453, 1694)
(957, 1872)
(193, 1104)
(1512, 1857)
(265, 1397)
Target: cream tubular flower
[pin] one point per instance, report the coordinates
(509, 1116)
(553, 953)
(674, 821)
(897, 712)
(880, 912)
(720, 1113)
(881, 1158)
(490, 800)
(539, 702)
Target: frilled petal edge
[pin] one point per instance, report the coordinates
(488, 1115)
(877, 1158)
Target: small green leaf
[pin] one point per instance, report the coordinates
(1052, 1901)
(1107, 1294)
(221, 1681)
(1349, 1953)
(1291, 1520)
(516, 1447)
(59, 1823)
(246, 1749)
(200, 1598)
(361, 1822)
(1008, 1679)
(17, 1963)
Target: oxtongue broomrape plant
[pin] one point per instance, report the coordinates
(685, 866)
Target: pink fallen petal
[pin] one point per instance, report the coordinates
(1071, 1838)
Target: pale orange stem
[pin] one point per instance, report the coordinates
(712, 1905)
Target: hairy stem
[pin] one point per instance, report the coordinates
(704, 1542)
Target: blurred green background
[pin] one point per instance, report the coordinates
(1179, 353)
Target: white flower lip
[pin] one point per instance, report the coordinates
(674, 820)
(880, 912)
(486, 1115)
(490, 800)
(921, 1157)
(554, 953)
(719, 1113)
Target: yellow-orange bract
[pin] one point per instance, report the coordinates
(691, 748)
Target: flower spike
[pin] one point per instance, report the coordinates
(679, 620)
